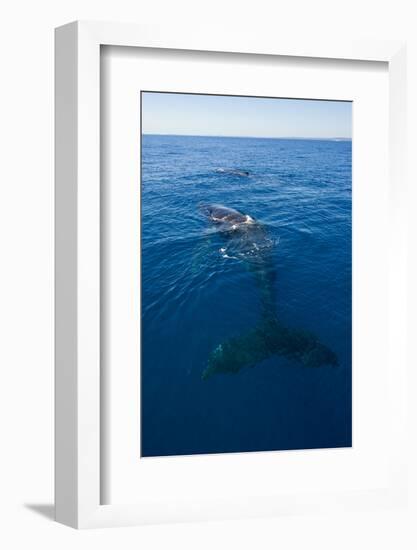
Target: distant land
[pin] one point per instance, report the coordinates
(252, 137)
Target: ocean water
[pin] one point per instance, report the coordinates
(197, 294)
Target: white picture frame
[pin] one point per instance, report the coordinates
(78, 405)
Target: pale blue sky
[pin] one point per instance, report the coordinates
(188, 114)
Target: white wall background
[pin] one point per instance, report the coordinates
(26, 270)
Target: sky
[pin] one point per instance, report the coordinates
(211, 115)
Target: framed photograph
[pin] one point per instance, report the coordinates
(230, 296)
(246, 260)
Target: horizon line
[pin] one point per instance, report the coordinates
(330, 138)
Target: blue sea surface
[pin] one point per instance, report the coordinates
(194, 297)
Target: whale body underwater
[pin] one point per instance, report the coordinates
(248, 240)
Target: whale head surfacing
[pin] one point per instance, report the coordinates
(228, 217)
(245, 237)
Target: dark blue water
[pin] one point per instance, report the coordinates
(194, 297)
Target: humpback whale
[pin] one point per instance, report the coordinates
(233, 171)
(247, 239)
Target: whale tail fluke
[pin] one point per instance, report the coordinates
(268, 338)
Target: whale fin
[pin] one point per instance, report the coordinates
(267, 339)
